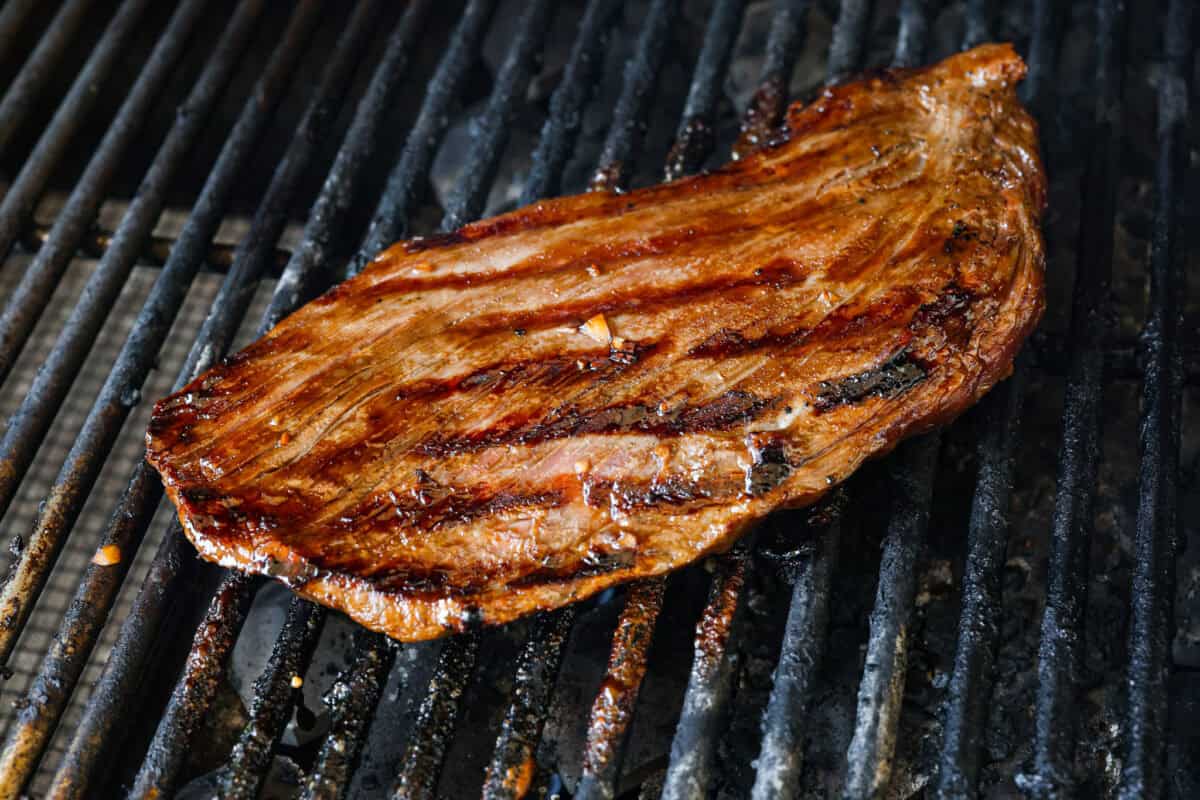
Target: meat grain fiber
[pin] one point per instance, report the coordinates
(603, 387)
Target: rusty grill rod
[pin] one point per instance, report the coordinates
(57, 373)
(24, 92)
(612, 710)
(1157, 531)
(64, 661)
(1060, 650)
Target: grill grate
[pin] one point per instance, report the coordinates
(186, 642)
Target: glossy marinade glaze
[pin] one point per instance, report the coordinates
(607, 386)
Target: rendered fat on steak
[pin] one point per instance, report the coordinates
(609, 386)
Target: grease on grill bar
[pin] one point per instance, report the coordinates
(719, 696)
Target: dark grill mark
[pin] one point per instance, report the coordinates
(726, 342)
(770, 466)
(419, 244)
(730, 409)
(888, 380)
(630, 495)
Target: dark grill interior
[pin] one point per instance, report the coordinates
(1010, 607)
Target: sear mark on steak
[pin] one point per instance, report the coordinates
(890, 379)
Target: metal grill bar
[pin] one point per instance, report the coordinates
(64, 662)
(978, 26)
(53, 380)
(765, 111)
(509, 773)
(12, 17)
(913, 33)
(637, 88)
(174, 738)
(1156, 536)
(19, 201)
(434, 728)
(566, 105)
(987, 538)
(24, 92)
(987, 531)
(512, 768)
(810, 568)
(881, 689)
(849, 38)
(29, 299)
(694, 139)
(1061, 647)
(490, 130)
(612, 710)
(869, 757)
(274, 696)
(693, 749)
(118, 682)
(613, 707)
(352, 701)
(405, 182)
(201, 677)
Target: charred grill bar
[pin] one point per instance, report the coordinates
(706, 704)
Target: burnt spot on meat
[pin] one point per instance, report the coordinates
(890, 379)
(609, 178)
(769, 466)
(420, 244)
(726, 411)
(951, 315)
(761, 124)
(626, 496)
(726, 342)
(696, 141)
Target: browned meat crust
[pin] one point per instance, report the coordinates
(603, 387)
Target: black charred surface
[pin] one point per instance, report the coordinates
(892, 379)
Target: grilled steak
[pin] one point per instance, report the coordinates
(603, 387)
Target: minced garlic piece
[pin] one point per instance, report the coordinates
(597, 328)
